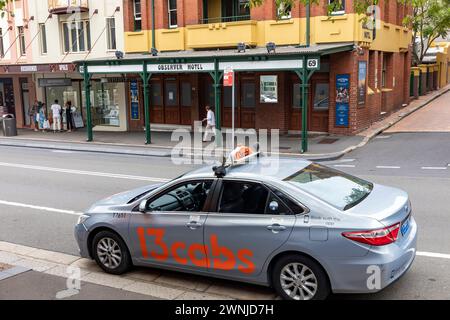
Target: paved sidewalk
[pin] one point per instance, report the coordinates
(155, 283)
(321, 147)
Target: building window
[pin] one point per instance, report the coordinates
(43, 38)
(284, 11)
(111, 33)
(268, 92)
(21, 39)
(384, 71)
(2, 48)
(137, 15)
(172, 10)
(76, 36)
(248, 99)
(336, 6)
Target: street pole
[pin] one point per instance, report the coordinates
(87, 91)
(233, 112)
(153, 26)
(308, 23)
(145, 81)
(304, 87)
(217, 103)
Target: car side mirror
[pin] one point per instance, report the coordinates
(143, 206)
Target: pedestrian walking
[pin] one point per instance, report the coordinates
(69, 117)
(34, 115)
(210, 124)
(56, 113)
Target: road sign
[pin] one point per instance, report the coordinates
(228, 78)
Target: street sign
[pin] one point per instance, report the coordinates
(228, 78)
(313, 63)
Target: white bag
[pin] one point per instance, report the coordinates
(78, 120)
(46, 124)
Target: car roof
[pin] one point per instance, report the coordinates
(260, 168)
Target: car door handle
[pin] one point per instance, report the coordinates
(193, 225)
(276, 228)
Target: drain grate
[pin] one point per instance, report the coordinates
(327, 141)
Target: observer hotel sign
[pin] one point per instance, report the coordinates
(180, 67)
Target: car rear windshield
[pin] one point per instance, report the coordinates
(339, 189)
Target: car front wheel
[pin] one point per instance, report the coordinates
(296, 277)
(111, 253)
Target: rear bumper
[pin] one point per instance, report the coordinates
(378, 269)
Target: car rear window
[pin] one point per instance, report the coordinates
(341, 190)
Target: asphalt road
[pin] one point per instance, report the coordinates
(72, 181)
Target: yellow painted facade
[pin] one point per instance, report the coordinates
(324, 29)
(443, 63)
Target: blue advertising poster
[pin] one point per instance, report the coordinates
(134, 98)
(342, 99)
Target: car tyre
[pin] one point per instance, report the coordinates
(111, 253)
(296, 277)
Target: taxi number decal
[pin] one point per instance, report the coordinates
(203, 256)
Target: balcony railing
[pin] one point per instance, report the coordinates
(67, 6)
(225, 19)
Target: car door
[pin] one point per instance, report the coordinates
(170, 232)
(248, 224)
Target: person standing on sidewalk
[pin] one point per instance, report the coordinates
(69, 118)
(210, 123)
(56, 113)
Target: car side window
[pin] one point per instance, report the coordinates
(292, 205)
(276, 207)
(243, 197)
(189, 196)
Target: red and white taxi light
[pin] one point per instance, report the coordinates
(378, 237)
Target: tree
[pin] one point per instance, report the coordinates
(3, 4)
(430, 20)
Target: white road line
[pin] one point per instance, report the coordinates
(434, 168)
(81, 172)
(344, 165)
(388, 167)
(433, 255)
(30, 206)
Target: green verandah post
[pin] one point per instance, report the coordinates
(217, 76)
(87, 91)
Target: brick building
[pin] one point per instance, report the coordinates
(362, 72)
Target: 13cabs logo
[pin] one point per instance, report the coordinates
(212, 256)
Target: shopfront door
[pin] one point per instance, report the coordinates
(171, 101)
(156, 108)
(248, 103)
(319, 114)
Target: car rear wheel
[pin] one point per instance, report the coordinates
(296, 277)
(110, 252)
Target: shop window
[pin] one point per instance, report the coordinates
(76, 36)
(284, 11)
(43, 38)
(2, 48)
(105, 103)
(172, 11)
(296, 96)
(321, 96)
(248, 99)
(155, 90)
(171, 96)
(21, 40)
(111, 33)
(337, 6)
(137, 15)
(186, 94)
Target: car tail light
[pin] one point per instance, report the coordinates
(378, 237)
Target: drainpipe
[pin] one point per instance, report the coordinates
(308, 22)
(153, 26)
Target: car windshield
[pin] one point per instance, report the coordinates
(339, 189)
